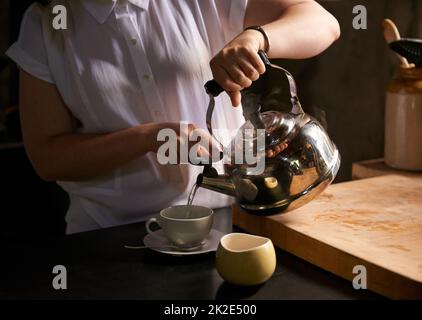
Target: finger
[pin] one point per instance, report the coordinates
(277, 150)
(256, 61)
(224, 79)
(248, 69)
(269, 153)
(235, 98)
(207, 149)
(237, 75)
(198, 155)
(203, 153)
(210, 157)
(206, 140)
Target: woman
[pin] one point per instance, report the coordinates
(94, 96)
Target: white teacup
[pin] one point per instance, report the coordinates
(184, 226)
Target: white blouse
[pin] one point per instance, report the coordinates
(123, 63)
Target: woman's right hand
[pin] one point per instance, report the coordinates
(238, 64)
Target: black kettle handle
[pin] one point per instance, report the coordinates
(214, 89)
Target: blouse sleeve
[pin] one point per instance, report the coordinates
(29, 52)
(232, 15)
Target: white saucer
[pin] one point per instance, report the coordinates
(158, 242)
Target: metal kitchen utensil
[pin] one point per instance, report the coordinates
(307, 164)
(410, 49)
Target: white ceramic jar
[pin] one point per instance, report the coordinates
(403, 121)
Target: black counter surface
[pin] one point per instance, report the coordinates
(99, 267)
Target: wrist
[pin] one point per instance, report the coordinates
(147, 136)
(256, 38)
(264, 40)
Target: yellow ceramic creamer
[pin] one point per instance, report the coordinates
(245, 259)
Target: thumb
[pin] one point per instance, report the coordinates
(235, 98)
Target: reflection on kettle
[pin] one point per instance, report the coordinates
(301, 163)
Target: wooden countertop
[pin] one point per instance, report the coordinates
(374, 222)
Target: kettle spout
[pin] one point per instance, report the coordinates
(217, 183)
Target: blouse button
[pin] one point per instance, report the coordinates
(147, 77)
(133, 41)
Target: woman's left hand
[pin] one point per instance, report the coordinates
(238, 64)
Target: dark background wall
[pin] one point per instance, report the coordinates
(347, 83)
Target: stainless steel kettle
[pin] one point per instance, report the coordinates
(306, 163)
